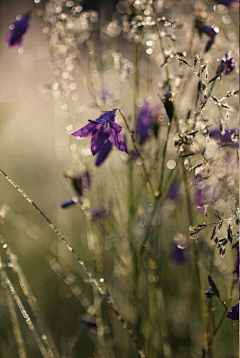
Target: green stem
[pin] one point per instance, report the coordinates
(101, 288)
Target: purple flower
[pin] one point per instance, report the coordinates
(234, 313)
(209, 293)
(210, 31)
(103, 154)
(145, 121)
(80, 184)
(227, 64)
(178, 253)
(227, 137)
(103, 130)
(229, 3)
(17, 30)
(174, 190)
(97, 213)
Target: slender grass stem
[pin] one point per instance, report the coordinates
(101, 288)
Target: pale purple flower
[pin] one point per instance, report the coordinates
(147, 117)
(226, 137)
(202, 193)
(17, 30)
(227, 64)
(233, 314)
(102, 130)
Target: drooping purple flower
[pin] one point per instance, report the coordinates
(226, 138)
(102, 130)
(233, 314)
(80, 184)
(209, 31)
(178, 253)
(227, 64)
(17, 30)
(229, 3)
(103, 154)
(145, 121)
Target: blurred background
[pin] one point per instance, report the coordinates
(35, 152)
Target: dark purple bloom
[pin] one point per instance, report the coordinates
(17, 30)
(234, 313)
(227, 137)
(213, 285)
(229, 3)
(101, 130)
(209, 293)
(69, 203)
(145, 121)
(210, 31)
(227, 64)
(178, 253)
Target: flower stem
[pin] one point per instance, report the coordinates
(102, 289)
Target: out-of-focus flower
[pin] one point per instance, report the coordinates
(233, 314)
(80, 184)
(17, 30)
(70, 202)
(89, 321)
(209, 31)
(102, 130)
(145, 121)
(178, 253)
(97, 213)
(229, 137)
(227, 64)
(209, 293)
(229, 3)
(174, 191)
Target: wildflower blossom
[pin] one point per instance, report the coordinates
(233, 314)
(227, 137)
(209, 31)
(227, 64)
(145, 121)
(17, 30)
(174, 191)
(178, 254)
(80, 183)
(103, 130)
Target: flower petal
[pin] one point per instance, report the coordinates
(115, 126)
(107, 116)
(86, 131)
(117, 140)
(103, 154)
(100, 137)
